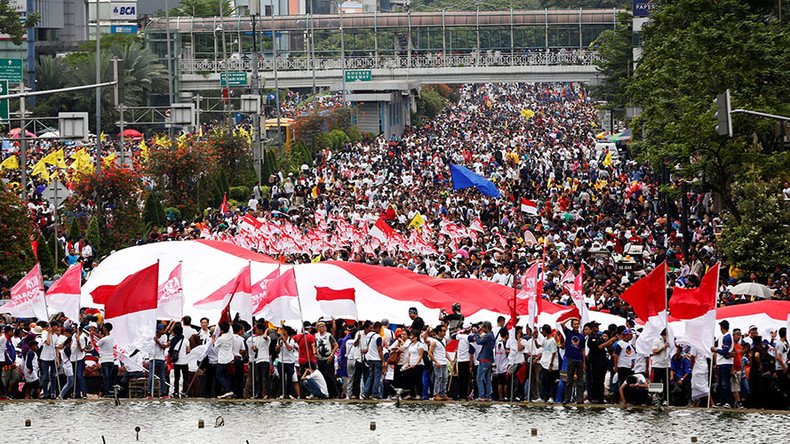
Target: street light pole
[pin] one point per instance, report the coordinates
(169, 64)
(276, 80)
(98, 91)
(226, 89)
(256, 91)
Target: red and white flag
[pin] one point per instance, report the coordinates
(382, 231)
(259, 290)
(223, 207)
(27, 297)
(236, 292)
(697, 307)
(131, 308)
(530, 290)
(281, 302)
(64, 294)
(648, 298)
(340, 304)
(529, 206)
(171, 297)
(250, 223)
(477, 225)
(575, 288)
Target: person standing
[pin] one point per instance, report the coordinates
(374, 356)
(106, 347)
(501, 363)
(623, 356)
(485, 339)
(288, 349)
(10, 376)
(259, 356)
(438, 354)
(597, 362)
(48, 358)
(550, 364)
(326, 346)
(574, 357)
(723, 360)
(463, 363)
(30, 371)
(224, 346)
(65, 353)
(239, 353)
(179, 349)
(80, 346)
(414, 349)
(660, 361)
(157, 367)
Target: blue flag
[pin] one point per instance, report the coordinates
(464, 178)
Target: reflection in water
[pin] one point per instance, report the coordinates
(299, 422)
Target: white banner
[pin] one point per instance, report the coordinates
(124, 11)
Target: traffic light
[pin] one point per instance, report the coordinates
(724, 122)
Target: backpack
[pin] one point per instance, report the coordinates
(174, 350)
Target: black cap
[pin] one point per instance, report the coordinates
(725, 323)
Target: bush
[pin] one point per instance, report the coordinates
(240, 193)
(153, 211)
(354, 134)
(233, 203)
(336, 139)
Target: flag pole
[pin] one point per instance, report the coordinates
(249, 358)
(666, 327)
(515, 321)
(46, 310)
(713, 356)
(282, 365)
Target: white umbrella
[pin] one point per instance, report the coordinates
(753, 289)
(50, 135)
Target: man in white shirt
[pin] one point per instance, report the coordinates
(660, 360)
(157, 365)
(550, 364)
(80, 346)
(437, 352)
(326, 346)
(374, 356)
(239, 352)
(463, 362)
(106, 347)
(258, 344)
(781, 350)
(315, 384)
(49, 358)
(224, 346)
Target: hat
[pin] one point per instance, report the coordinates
(752, 327)
(93, 325)
(320, 324)
(594, 323)
(37, 330)
(413, 310)
(628, 331)
(725, 323)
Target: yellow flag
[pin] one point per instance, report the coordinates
(417, 221)
(51, 158)
(527, 113)
(314, 192)
(109, 159)
(316, 259)
(102, 137)
(61, 159)
(607, 161)
(10, 163)
(143, 149)
(40, 170)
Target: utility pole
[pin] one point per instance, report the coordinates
(169, 63)
(276, 81)
(23, 135)
(256, 91)
(226, 89)
(98, 91)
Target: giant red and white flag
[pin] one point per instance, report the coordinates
(648, 298)
(131, 308)
(27, 297)
(382, 231)
(171, 297)
(575, 288)
(530, 289)
(236, 292)
(339, 304)
(529, 206)
(281, 302)
(697, 307)
(64, 294)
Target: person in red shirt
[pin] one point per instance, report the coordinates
(307, 349)
(737, 366)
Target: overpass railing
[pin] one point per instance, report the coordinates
(430, 60)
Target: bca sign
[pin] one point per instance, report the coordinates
(124, 11)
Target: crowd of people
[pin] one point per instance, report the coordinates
(446, 359)
(596, 206)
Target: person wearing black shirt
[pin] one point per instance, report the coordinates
(417, 323)
(454, 320)
(596, 362)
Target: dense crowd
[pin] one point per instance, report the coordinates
(596, 206)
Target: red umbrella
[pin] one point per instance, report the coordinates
(14, 134)
(133, 133)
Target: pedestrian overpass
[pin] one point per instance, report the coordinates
(426, 47)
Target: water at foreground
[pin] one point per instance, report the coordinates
(303, 422)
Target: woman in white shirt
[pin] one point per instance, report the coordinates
(179, 344)
(399, 379)
(258, 345)
(414, 349)
(224, 346)
(288, 351)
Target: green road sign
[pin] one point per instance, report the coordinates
(11, 70)
(4, 102)
(234, 79)
(359, 75)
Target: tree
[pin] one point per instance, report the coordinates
(761, 240)
(93, 236)
(200, 8)
(55, 250)
(153, 211)
(11, 23)
(694, 50)
(615, 63)
(234, 155)
(16, 254)
(429, 104)
(45, 257)
(118, 191)
(74, 230)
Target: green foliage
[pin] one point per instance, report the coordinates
(199, 8)
(615, 64)
(694, 50)
(429, 104)
(74, 230)
(240, 193)
(57, 253)
(153, 211)
(11, 23)
(93, 236)
(234, 156)
(354, 134)
(761, 239)
(335, 139)
(16, 255)
(45, 257)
